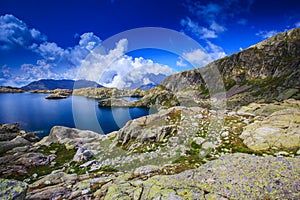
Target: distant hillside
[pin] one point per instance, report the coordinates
(50, 84)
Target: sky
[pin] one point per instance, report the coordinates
(64, 39)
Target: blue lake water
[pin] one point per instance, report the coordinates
(35, 113)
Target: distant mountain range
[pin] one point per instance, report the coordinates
(50, 84)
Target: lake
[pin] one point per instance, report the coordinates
(37, 114)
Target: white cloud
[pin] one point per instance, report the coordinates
(216, 27)
(202, 57)
(297, 24)
(180, 62)
(5, 72)
(115, 69)
(266, 34)
(89, 41)
(213, 16)
(14, 33)
(196, 29)
(50, 51)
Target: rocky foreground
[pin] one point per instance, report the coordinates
(177, 153)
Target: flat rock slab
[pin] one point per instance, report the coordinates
(234, 176)
(280, 130)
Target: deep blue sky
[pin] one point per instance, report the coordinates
(41, 39)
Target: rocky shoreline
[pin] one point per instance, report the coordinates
(173, 154)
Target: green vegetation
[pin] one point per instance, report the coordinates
(62, 156)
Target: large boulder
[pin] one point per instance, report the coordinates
(16, 142)
(71, 136)
(280, 130)
(12, 189)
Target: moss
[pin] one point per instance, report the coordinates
(63, 156)
(195, 145)
(108, 169)
(229, 83)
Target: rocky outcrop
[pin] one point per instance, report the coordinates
(8, 89)
(232, 176)
(236, 176)
(11, 137)
(71, 136)
(263, 72)
(158, 98)
(103, 93)
(59, 94)
(12, 189)
(113, 102)
(279, 130)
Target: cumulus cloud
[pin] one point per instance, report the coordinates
(202, 57)
(267, 34)
(112, 69)
(115, 69)
(15, 33)
(89, 41)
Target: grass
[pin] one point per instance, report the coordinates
(62, 156)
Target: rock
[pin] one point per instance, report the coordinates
(267, 109)
(159, 98)
(31, 137)
(146, 170)
(8, 89)
(12, 189)
(280, 130)
(35, 159)
(54, 179)
(51, 192)
(71, 136)
(59, 94)
(9, 128)
(102, 93)
(199, 140)
(82, 154)
(112, 102)
(16, 142)
(89, 163)
(151, 128)
(208, 145)
(9, 131)
(234, 176)
(246, 75)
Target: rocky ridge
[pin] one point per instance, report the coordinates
(266, 72)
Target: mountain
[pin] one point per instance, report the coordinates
(147, 86)
(50, 84)
(267, 71)
(148, 81)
